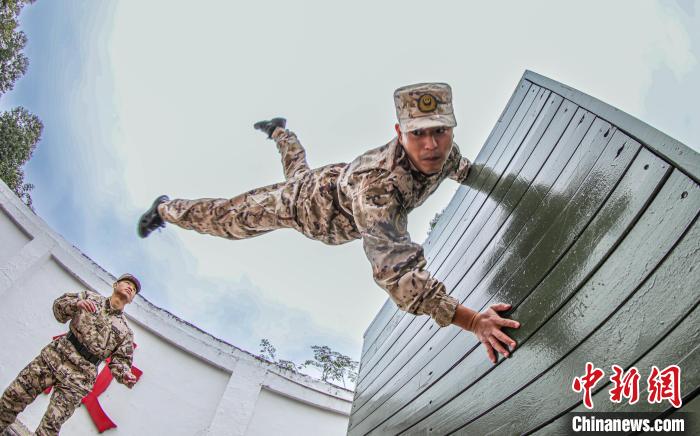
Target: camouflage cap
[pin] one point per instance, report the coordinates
(424, 105)
(132, 279)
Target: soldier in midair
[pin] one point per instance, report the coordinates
(367, 199)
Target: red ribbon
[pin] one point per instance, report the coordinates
(91, 402)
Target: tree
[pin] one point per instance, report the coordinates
(287, 364)
(267, 350)
(434, 221)
(13, 63)
(20, 131)
(332, 365)
(269, 353)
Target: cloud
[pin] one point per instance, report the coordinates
(671, 103)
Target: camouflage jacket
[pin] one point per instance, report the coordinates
(104, 332)
(370, 198)
(380, 188)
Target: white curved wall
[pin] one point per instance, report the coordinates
(193, 383)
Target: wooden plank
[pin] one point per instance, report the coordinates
(578, 163)
(510, 124)
(608, 227)
(495, 247)
(520, 122)
(404, 333)
(472, 244)
(380, 321)
(574, 217)
(484, 154)
(632, 263)
(522, 171)
(674, 151)
(647, 316)
(495, 173)
(679, 347)
(501, 157)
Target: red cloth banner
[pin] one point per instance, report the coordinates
(92, 403)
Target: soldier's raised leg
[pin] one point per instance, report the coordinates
(64, 401)
(253, 213)
(293, 154)
(247, 215)
(31, 381)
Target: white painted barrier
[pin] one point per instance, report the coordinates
(193, 383)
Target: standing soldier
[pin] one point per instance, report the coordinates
(97, 330)
(369, 198)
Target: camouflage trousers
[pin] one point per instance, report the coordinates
(304, 202)
(33, 380)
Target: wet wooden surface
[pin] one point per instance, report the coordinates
(678, 347)
(413, 324)
(483, 181)
(522, 100)
(589, 232)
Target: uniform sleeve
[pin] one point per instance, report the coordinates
(460, 167)
(64, 307)
(122, 358)
(398, 265)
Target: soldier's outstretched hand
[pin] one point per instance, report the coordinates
(87, 305)
(487, 328)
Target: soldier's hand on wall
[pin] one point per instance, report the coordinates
(487, 327)
(129, 380)
(87, 305)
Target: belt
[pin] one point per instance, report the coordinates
(82, 349)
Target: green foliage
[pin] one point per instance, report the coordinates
(13, 63)
(332, 365)
(269, 353)
(287, 364)
(20, 131)
(267, 350)
(434, 221)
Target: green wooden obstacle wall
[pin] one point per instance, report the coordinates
(585, 220)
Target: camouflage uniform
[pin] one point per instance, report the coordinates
(370, 198)
(104, 332)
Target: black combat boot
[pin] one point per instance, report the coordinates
(269, 126)
(151, 220)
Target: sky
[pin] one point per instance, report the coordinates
(140, 99)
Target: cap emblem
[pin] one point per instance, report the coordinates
(427, 103)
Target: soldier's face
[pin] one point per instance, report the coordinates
(126, 289)
(428, 148)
